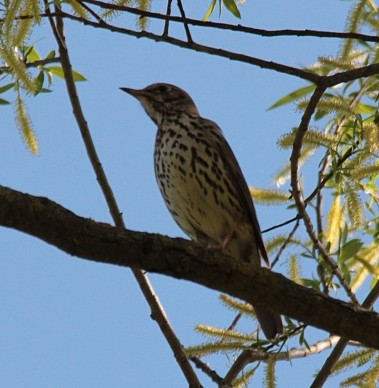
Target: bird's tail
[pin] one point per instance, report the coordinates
(270, 322)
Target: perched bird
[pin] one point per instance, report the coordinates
(202, 183)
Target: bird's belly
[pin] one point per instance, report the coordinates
(196, 212)
(196, 196)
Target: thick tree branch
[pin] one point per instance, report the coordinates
(182, 259)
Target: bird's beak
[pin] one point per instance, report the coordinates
(137, 93)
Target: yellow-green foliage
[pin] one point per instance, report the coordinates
(270, 380)
(111, 13)
(229, 335)
(331, 104)
(355, 59)
(25, 126)
(17, 67)
(336, 220)
(235, 305)
(353, 23)
(144, 5)
(243, 381)
(365, 264)
(269, 197)
(357, 359)
(353, 359)
(78, 8)
(371, 136)
(214, 347)
(274, 243)
(311, 138)
(294, 269)
(363, 172)
(354, 206)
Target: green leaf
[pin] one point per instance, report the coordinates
(39, 82)
(58, 72)
(78, 77)
(232, 7)
(55, 70)
(366, 109)
(4, 102)
(32, 55)
(6, 87)
(349, 250)
(209, 10)
(295, 95)
(50, 55)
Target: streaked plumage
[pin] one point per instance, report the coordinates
(202, 183)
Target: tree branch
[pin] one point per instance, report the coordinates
(182, 259)
(238, 27)
(157, 310)
(296, 190)
(252, 355)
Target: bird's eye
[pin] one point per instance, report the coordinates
(162, 88)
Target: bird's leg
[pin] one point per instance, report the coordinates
(224, 242)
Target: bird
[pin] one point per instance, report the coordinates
(202, 183)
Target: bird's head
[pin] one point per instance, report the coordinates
(161, 100)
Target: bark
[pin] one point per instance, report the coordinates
(84, 238)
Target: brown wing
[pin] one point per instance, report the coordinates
(216, 137)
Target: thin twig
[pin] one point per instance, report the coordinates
(238, 27)
(204, 367)
(294, 219)
(40, 62)
(89, 10)
(284, 245)
(167, 21)
(248, 356)
(296, 190)
(323, 179)
(183, 15)
(303, 74)
(158, 312)
(325, 81)
(234, 322)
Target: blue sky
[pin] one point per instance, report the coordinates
(66, 322)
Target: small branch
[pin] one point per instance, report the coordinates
(183, 15)
(204, 367)
(249, 356)
(201, 48)
(41, 62)
(296, 190)
(239, 27)
(329, 176)
(323, 179)
(294, 219)
(157, 310)
(284, 245)
(167, 22)
(322, 81)
(90, 11)
(234, 322)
